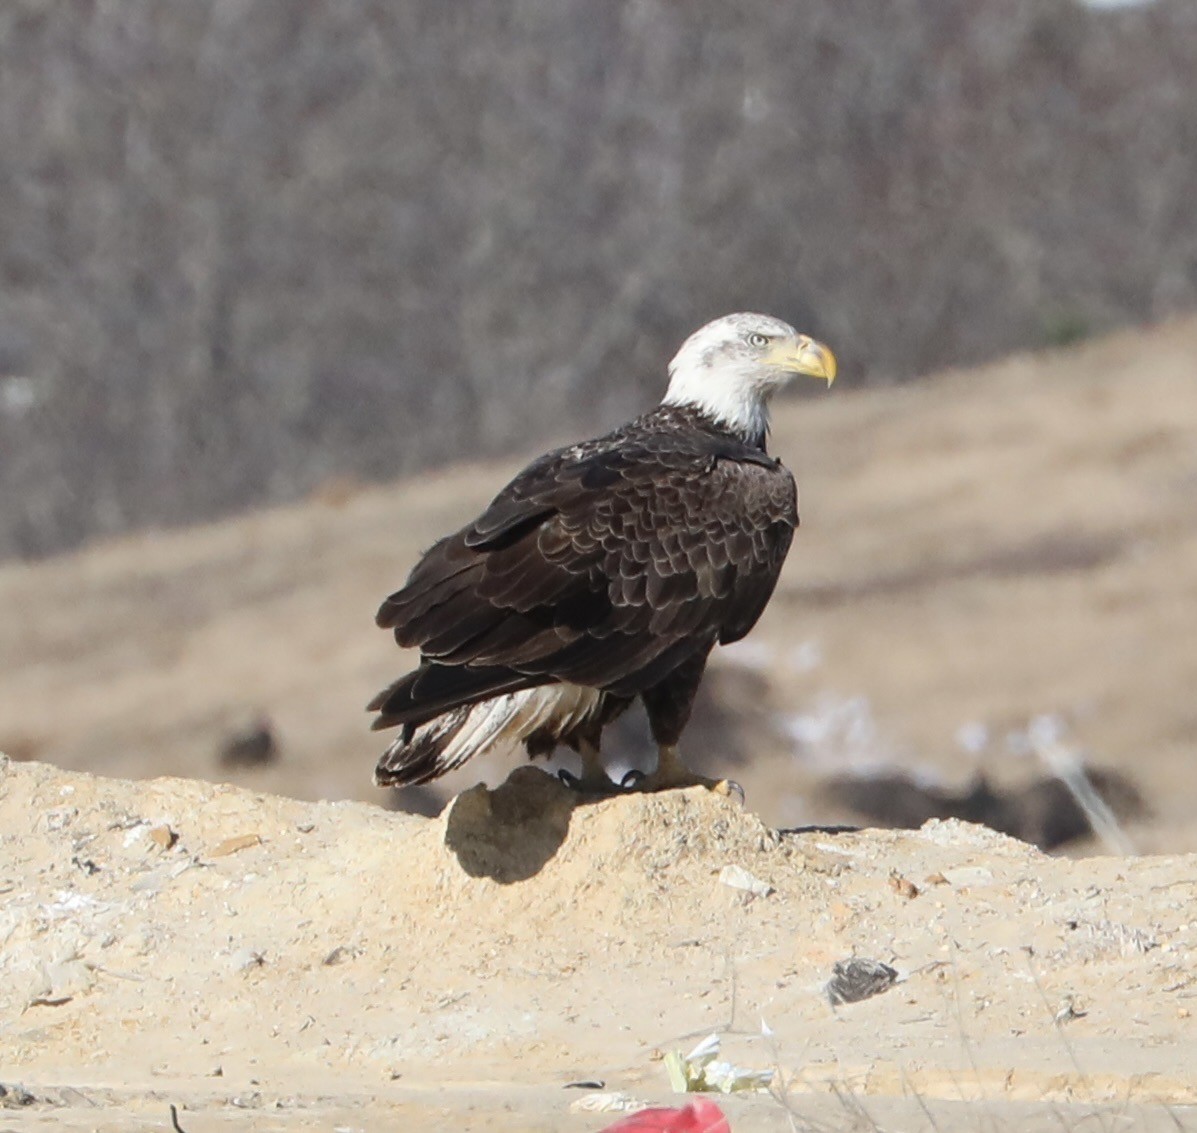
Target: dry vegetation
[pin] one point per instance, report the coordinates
(247, 247)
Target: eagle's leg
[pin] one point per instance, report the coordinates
(668, 706)
(594, 779)
(671, 771)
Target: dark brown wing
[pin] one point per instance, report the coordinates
(606, 568)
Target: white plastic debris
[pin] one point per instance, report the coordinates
(610, 1102)
(1046, 728)
(973, 737)
(59, 981)
(702, 1071)
(805, 657)
(246, 959)
(1068, 766)
(836, 731)
(759, 656)
(967, 876)
(737, 877)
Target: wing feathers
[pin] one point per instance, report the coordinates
(606, 567)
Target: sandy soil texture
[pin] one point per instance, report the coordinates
(269, 964)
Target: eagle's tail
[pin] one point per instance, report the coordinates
(426, 751)
(433, 689)
(542, 717)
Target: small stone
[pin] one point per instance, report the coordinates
(903, 886)
(163, 836)
(857, 979)
(232, 845)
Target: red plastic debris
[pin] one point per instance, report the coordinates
(700, 1116)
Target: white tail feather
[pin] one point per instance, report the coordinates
(442, 744)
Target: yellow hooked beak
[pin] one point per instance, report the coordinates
(803, 355)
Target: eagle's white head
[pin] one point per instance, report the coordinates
(732, 367)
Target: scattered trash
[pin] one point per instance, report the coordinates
(49, 1000)
(1043, 812)
(15, 1097)
(763, 657)
(700, 1116)
(68, 904)
(857, 979)
(967, 876)
(751, 654)
(232, 845)
(737, 877)
(702, 1071)
(246, 959)
(1098, 939)
(60, 818)
(60, 981)
(135, 829)
(973, 737)
(1068, 1011)
(1089, 793)
(836, 732)
(1046, 729)
(614, 1102)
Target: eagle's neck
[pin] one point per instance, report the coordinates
(697, 417)
(747, 421)
(729, 399)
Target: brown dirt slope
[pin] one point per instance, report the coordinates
(270, 964)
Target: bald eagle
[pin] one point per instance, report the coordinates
(603, 572)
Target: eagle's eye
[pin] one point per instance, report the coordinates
(757, 339)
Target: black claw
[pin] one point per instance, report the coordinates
(631, 778)
(587, 787)
(734, 790)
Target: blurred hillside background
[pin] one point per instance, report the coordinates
(249, 249)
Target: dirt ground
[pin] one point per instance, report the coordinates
(269, 964)
(978, 550)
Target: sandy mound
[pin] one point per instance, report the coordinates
(271, 964)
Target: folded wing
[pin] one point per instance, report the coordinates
(603, 567)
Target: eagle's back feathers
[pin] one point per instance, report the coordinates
(606, 564)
